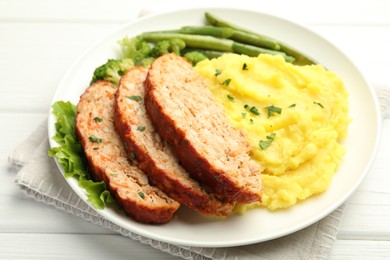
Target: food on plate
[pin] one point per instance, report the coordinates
(186, 115)
(108, 159)
(294, 117)
(245, 120)
(154, 156)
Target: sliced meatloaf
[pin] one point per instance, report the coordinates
(108, 159)
(154, 155)
(186, 114)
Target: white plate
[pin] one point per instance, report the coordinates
(257, 225)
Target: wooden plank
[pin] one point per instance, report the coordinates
(365, 46)
(17, 127)
(76, 246)
(360, 249)
(367, 213)
(55, 33)
(80, 246)
(306, 11)
(36, 64)
(368, 221)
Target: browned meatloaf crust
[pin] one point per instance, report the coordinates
(154, 155)
(186, 114)
(108, 159)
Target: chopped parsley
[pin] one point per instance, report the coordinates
(243, 115)
(272, 109)
(244, 66)
(266, 143)
(140, 128)
(141, 194)
(251, 120)
(94, 139)
(135, 98)
(252, 109)
(217, 72)
(292, 105)
(98, 119)
(226, 82)
(318, 103)
(132, 155)
(230, 98)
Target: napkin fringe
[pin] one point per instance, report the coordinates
(384, 101)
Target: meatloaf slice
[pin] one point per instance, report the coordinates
(108, 159)
(154, 155)
(186, 114)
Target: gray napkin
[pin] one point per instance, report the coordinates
(38, 177)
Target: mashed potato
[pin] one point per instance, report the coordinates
(294, 117)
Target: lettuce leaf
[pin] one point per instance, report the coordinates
(70, 155)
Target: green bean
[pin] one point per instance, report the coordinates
(241, 33)
(212, 43)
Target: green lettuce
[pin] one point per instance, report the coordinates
(70, 155)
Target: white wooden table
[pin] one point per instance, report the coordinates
(39, 39)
